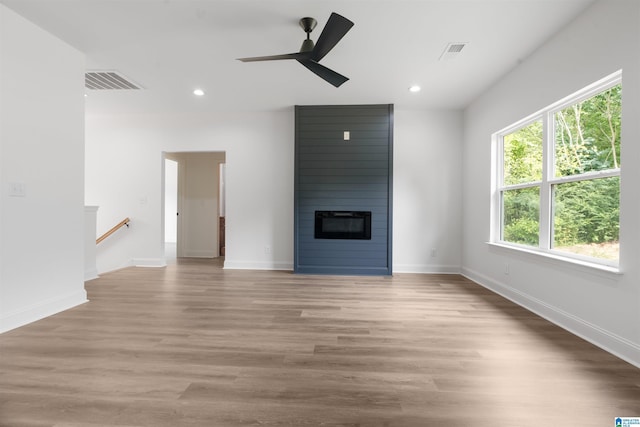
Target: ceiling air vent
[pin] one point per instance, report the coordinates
(107, 80)
(452, 50)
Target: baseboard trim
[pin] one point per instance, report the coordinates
(199, 254)
(149, 262)
(255, 265)
(426, 269)
(342, 270)
(40, 310)
(606, 340)
(397, 268)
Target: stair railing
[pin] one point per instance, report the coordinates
(113, 230)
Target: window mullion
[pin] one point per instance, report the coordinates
(546, 213)
(535, 184)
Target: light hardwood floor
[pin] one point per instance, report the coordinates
(195, 345)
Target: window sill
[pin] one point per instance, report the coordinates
(559, 260)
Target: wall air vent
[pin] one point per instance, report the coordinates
(452, 50)
(108, 80)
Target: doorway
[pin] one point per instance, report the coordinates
(199, 204)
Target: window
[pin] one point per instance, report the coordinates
(558, 177)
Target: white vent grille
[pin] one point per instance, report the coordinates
(452, 50)
(108, 80)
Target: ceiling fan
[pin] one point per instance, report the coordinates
(310, 55)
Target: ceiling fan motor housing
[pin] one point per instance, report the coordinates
(307, 46)
(308, 24)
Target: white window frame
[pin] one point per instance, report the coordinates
(546, 116)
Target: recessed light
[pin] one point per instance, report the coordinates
(414, 88)
(198, 92)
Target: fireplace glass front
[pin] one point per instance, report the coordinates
(343, 225)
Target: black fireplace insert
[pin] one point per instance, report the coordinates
(343, 225)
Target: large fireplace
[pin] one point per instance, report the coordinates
(343, 189)
(343, 225)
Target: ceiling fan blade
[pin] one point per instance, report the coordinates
(296, 55)
(335, 29)
(324, 72)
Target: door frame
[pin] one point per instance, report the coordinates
(181, 203)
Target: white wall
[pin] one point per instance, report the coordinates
(170, 201)
(259, 172)
(90, 269)
(601, 307)
(259, 185)
(41, 146)
(427, 192)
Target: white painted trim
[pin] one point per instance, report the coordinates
(426, 268)
(43, 309)
(397, 268)
(149, 262)
(126, 265)
(608, 341)
(90, 250)
(553, 257)
(257, 265)
(199, 254)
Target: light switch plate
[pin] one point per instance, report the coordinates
(17, 189)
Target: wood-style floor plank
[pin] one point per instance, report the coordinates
(195, 345)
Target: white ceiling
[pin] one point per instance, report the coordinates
(170, 47)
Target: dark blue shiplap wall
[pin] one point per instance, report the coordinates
(334, 174)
